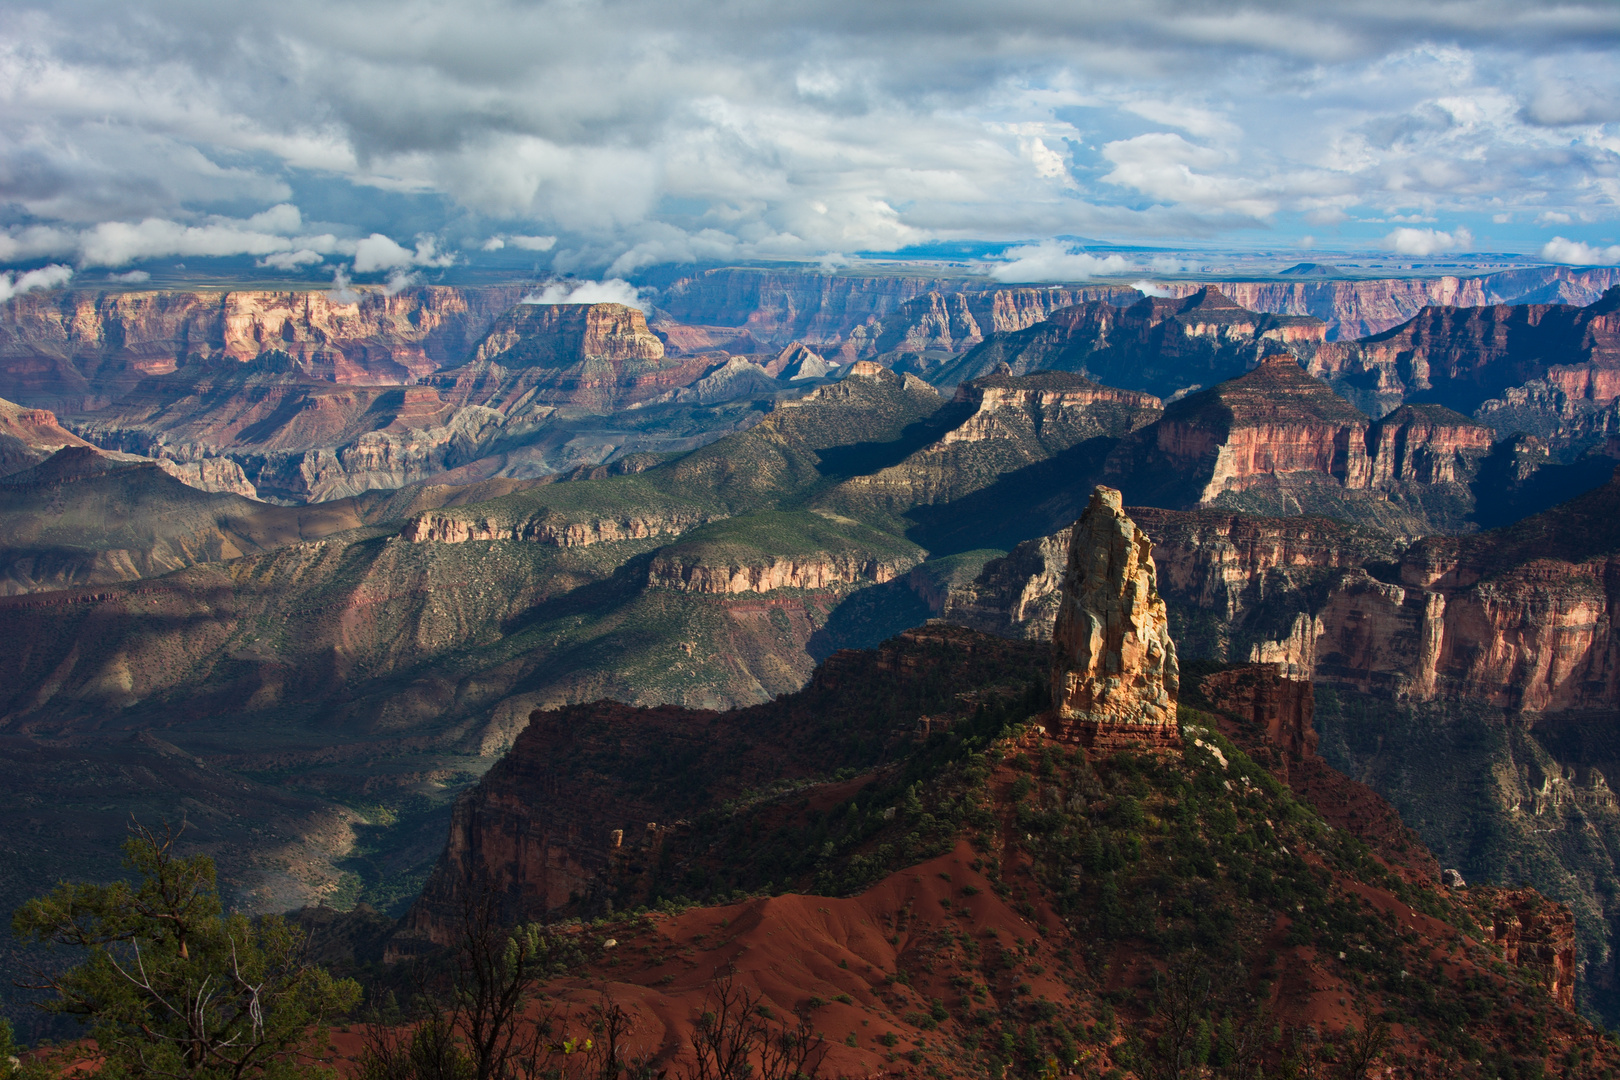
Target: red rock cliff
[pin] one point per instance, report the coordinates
(77, 350)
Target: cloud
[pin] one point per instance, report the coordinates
(617, 136)
(525, 243)
(291, 260)
(1051, 260)
(611, 291)
(533, 243)
(400, 280)
(46, 277)
(1148, 288)
(132, 277)
(340, 293)
(1574, 252)
(378, 252)
(1425, 242)
(118, 243)
(1172, 264)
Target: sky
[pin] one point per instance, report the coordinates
(384, 141)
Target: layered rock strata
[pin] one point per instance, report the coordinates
(832, 571)
(597, 357)
(1114, 673)
(1535, 935)
(1275, 440)
(1158, 345)
(77, 351)
(1462, 356)
(1282, 708)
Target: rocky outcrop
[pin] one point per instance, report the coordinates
(1282, 709)
(798, 361)
(995, 426)
(1155, 344)
(1114, 672)
(827, 572)
(1246, 433)
(29, 436)
(211, 474)
(1426, 444)
(1536, 935)
(1017, 595)
(557, 529)
(1054, 406)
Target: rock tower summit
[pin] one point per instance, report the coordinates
(1114, 672)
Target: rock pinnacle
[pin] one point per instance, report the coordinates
(1114, 672)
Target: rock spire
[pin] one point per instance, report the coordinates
(1114, 673)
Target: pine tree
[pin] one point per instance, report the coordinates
(171, 986)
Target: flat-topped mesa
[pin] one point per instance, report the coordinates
(552, 334)
(1052, 400)
(1115, 679)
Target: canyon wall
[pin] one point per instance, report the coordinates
(597, 357)
(780, 306)
(1155, 344)
(1463, 356)
(1277, 441)
(77, 350)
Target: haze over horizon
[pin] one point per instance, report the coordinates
(603, 138)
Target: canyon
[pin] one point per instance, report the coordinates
(504, 515)
(901, 787)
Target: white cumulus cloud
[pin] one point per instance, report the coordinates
(291, 260)
(378, 252)
(620, 135)
(611, 291)
(1425, 242)
(131, 277)
(1051, 260)
(1574, 252)
(46, 277)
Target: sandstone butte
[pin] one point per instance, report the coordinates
(1114, 673)
(1042, 399)
(1278, 423)
(1461, 356)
